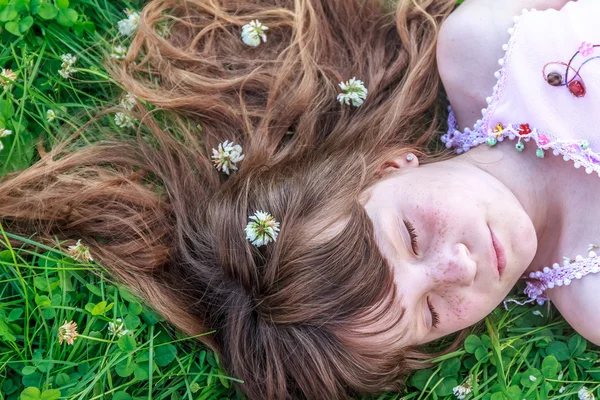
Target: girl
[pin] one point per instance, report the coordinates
(320, 239)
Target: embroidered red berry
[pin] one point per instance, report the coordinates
(577, 88)
(524, 129)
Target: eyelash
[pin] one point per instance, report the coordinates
(413, 236)
(435, 317)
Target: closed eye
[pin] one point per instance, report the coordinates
(435, 317)
(413, 236)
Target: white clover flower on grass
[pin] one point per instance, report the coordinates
(128, 101)
(80, 252)
(538, 313)
(117, 328)
(68, 60)
(130, 24)
(226, 155)
(253, 32)
(67, 332)
(50, 115)
(585, 394)
(118, 52)
(4, 133)
(262, 229)
(6, 76)
(354, 91)
(124, 120)
(461, 391)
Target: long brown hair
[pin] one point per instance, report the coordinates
(295, 318)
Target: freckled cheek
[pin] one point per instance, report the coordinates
(458, 306)
(461, 312)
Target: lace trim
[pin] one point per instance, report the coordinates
(577, 150)
(559, 275)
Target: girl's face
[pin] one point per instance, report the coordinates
(434, 224)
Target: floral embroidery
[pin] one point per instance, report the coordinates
(543, 140)
(498, 129)
(574, 84)
(586, 49)
(524, 129)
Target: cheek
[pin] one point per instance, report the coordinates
(459, 307)
(464, 310)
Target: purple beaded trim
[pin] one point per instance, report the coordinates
(560, 275)
(577, 150)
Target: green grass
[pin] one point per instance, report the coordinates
(514, 354)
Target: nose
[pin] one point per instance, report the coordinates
(454, 267)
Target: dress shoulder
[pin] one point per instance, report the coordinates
(548, 87)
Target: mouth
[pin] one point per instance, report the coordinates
(499, 254)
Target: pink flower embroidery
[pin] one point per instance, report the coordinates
(586, 49)
(543, 140)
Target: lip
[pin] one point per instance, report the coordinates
(499, 253)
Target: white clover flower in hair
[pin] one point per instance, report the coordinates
(354, 91)
(130, 24)
(253, 32)
(226, 155)
(124, 120)
(128, 101)
(118, 52)
(262, 228)
(80, 252)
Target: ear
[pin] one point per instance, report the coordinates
(396, 164)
